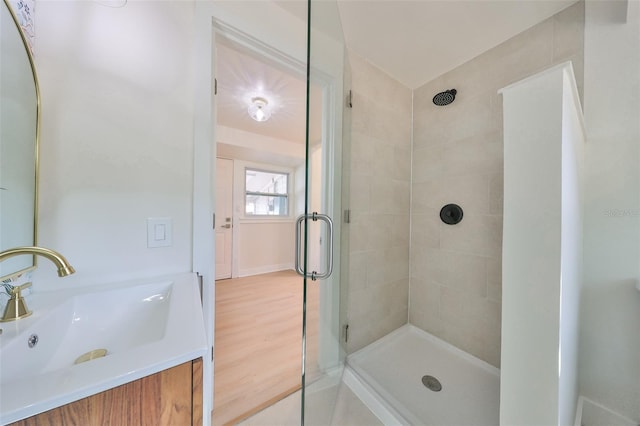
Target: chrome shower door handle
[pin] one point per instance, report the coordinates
(329, 243)
(299, 221)
(314, 275)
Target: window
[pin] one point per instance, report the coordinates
(266, 193)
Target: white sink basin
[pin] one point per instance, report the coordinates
(141, 325)
(115, 320)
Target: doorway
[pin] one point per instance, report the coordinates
(283, 39)
(260, 189)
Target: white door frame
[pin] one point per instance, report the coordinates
(244, 22)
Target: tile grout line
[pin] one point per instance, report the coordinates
(410, 205)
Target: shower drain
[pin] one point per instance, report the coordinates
(432, 383)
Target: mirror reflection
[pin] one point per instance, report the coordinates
(18, 145)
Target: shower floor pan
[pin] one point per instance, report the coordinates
(387, 377)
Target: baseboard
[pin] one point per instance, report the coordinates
(264, 269)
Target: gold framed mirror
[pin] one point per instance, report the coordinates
(19, 140)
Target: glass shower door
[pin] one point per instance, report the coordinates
(321, 256)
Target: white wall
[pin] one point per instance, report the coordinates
(531, 270)
(242, 145)
(542, 249)
(571, 252)
(609, 369)
(117, 137)
(265, 247)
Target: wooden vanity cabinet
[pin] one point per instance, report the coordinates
(170, 397)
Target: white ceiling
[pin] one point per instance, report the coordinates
(417, 41)
(242, 75)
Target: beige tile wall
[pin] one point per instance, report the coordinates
(380, 183)
(457, 157)
(403, 259)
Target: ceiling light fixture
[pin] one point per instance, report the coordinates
(259, 109)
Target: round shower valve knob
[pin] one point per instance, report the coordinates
(451, 214)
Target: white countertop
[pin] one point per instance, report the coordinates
(183, 340)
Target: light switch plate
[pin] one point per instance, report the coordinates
(158, 232)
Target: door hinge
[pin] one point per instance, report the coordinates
(215, 86)
(347, 216)
(346, 333)
(214, 221)
(350, 99)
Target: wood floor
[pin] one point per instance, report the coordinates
(258, 342)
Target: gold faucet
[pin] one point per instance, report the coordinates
(64, 268)
(16, 307)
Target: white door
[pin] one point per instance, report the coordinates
(224, 217)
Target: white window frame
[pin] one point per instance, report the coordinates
(240, 191)
(287, 196)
